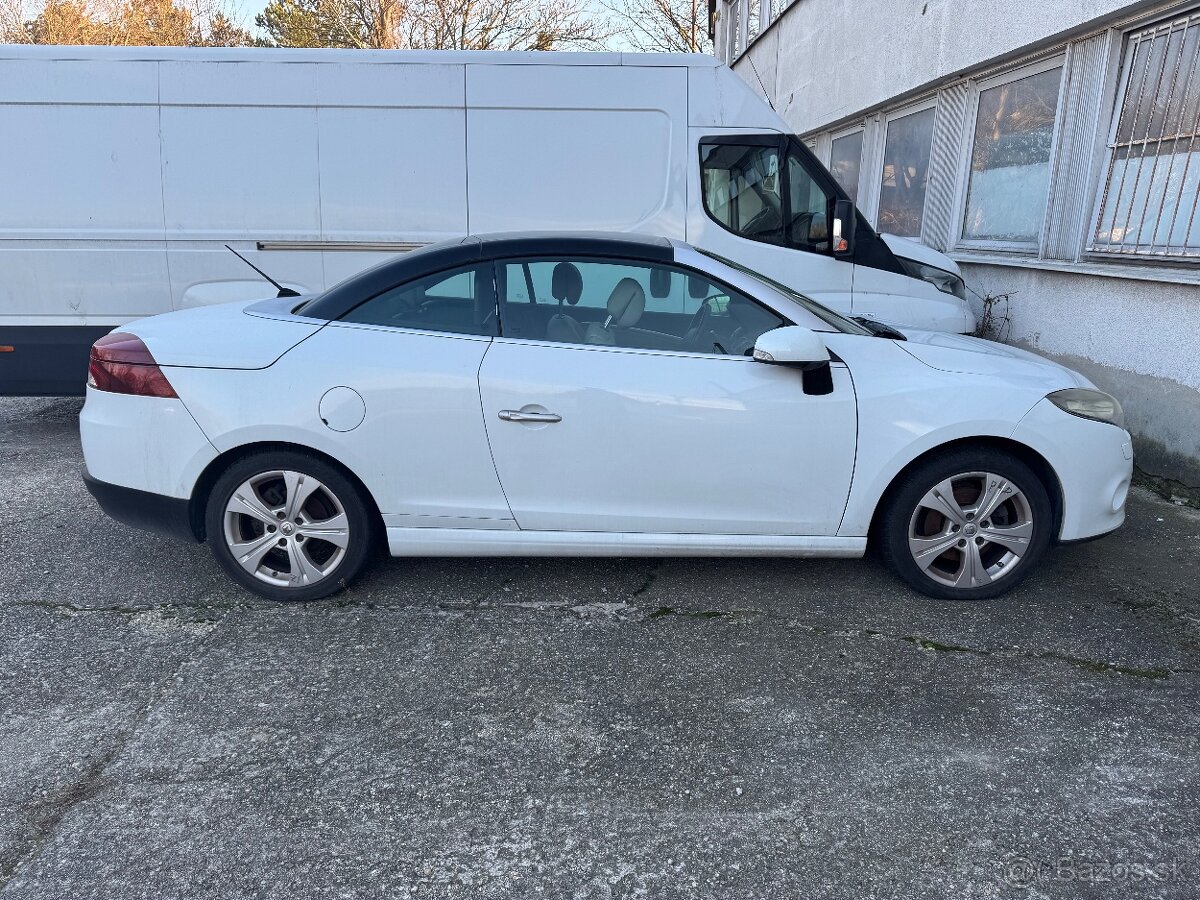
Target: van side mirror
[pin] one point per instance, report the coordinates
(844, 224)
(792, 345)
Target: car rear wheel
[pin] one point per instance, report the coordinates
(289, 526)
(967, 525)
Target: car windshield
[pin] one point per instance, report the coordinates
(824, 313)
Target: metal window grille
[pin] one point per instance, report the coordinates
(735, 29)
(752, 23)
(1148, 204)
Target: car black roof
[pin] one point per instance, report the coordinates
(342, 297)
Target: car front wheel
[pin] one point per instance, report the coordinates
(967, 525)
(289, 526)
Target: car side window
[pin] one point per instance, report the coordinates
(614, 303)
(458, 302)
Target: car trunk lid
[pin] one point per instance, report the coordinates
(241, 335)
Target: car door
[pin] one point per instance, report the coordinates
(650, 421)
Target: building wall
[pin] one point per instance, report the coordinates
(844, 56)
(1138, 340)
(1128, 321)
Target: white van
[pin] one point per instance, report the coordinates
(128, 169)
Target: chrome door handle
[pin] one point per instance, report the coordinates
(516, 415)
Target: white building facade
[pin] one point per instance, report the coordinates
(1052, 149)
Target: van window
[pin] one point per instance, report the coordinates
(808, 213)
(459, 302)
(755, 191)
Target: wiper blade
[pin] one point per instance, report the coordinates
(879, 329)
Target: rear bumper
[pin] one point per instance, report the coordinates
(141, 509)
(150, 444)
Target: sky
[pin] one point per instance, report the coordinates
(246, 10)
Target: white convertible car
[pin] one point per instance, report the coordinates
(588, 394)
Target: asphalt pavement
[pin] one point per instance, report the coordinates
(565, 728)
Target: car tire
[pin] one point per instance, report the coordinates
(969, 524)
(290, 526)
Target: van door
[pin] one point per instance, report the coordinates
(762, 203)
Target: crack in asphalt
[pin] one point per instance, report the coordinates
(49, 813)
(651, 577)
(628, 613)
(927, 644)
(1091, 665)
(75, 608)
(614, 612)
(195, 603)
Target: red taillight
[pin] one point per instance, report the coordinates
(122, 364)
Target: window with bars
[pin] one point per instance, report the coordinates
(752, 23)
(735, 30)
(1147, 205)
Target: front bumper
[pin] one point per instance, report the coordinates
(143, 510)
(1094, 465)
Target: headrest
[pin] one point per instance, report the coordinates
(660, 283)
(566, 283)
(697, 287)
(626, 303)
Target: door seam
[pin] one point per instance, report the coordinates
(487, 436)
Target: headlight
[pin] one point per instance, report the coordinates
(1089, 404)
(946, 282)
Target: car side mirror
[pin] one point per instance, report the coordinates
(792, 345)
(845, 223)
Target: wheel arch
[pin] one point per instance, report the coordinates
(198, 501)
(1026, 454)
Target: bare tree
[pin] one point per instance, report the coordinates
(332, 23)
(663, 26)
(120, 22)
(12, 22)
(64, 22)
(431, 24)
(143, 23)
(499, 25)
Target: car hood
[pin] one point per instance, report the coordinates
(975, 356)
(241, 335)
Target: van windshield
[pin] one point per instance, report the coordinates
(824, 313)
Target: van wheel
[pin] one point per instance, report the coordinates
(967, 525)
(289, 526)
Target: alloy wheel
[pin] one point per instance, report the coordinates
(970, 530)
(286, 528)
